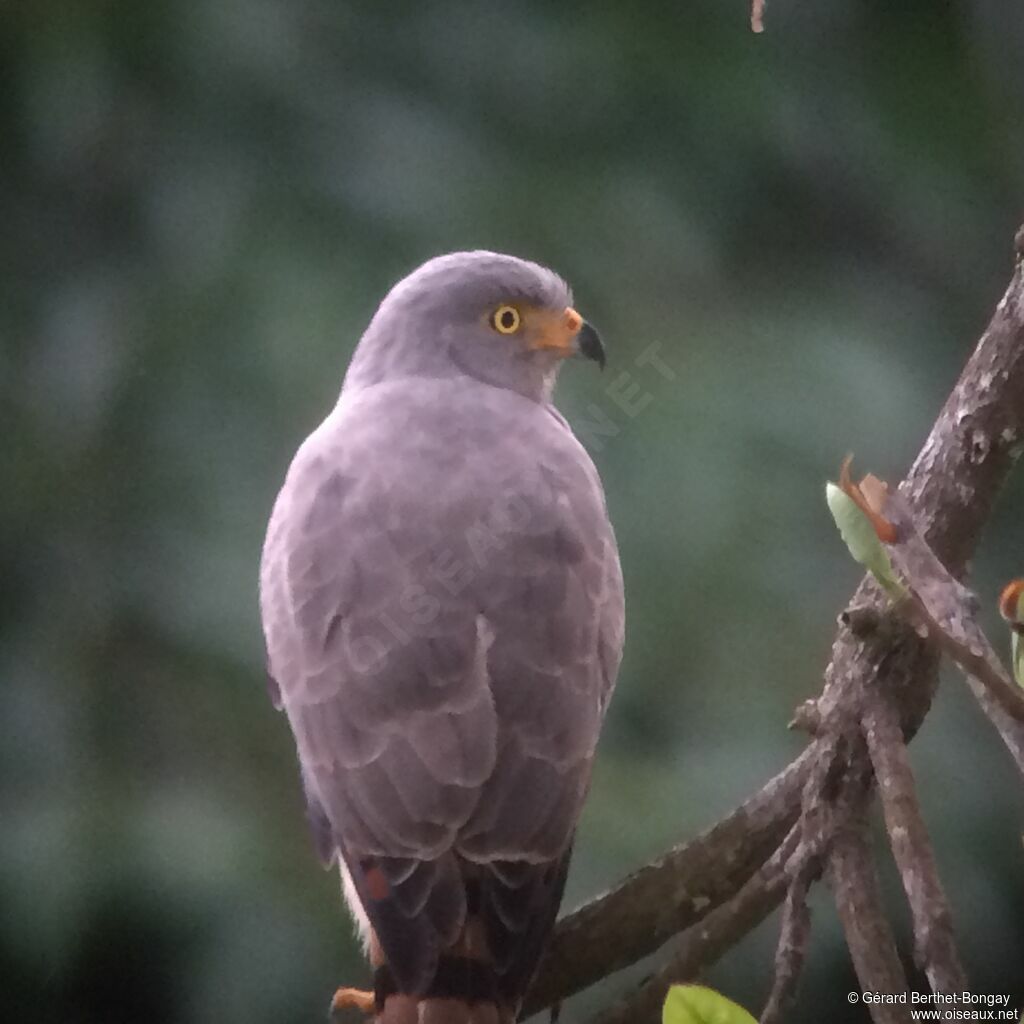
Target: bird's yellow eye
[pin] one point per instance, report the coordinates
(505, 320)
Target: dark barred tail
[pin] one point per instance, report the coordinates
(464, 991)
(453, 941)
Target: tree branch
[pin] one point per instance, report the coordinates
(854, 883)
(794, 934)
(935, 951)
(704, 943)
(670, 894)
(944, 611)
(949, 492)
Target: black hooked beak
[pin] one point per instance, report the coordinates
(590, 345)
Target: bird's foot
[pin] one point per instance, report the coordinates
(352, 999)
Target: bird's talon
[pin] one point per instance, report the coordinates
(352, 998)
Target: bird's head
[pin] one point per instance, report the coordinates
(501, 320)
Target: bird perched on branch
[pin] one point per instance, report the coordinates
(443, 610)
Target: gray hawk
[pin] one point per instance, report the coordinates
(443, 610)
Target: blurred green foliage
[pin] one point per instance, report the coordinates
(202, 203)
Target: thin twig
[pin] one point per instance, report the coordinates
(854, 883)
(829, 798)
(663, 898)
(991, 676)
(947, 611)
(999, 698)
(941, 609)
(794, 933)
(934, 947)
(704, 943)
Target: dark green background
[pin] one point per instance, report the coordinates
(200, 205)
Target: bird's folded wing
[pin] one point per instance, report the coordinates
(445, 680)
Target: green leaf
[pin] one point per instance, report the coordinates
(695, 1004)
(857, 531)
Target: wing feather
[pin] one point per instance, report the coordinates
(444, 655)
